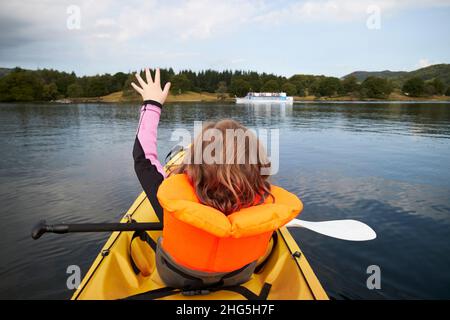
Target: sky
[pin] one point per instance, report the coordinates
(283, 37)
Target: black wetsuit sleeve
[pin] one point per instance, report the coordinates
(146, 164)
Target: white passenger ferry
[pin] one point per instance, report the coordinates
(265, 97)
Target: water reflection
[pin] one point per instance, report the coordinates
(385, 164)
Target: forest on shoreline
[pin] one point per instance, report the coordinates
(49, 85)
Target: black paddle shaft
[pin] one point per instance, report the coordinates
(41, 227)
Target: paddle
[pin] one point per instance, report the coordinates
(350, 230)
(41, 227)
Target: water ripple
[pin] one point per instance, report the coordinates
(383, 164)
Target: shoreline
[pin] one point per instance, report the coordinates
(203, 97)
(117, 97)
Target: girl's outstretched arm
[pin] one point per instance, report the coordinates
(146, 164)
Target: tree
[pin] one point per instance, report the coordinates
(289, 88)
(222, 90)
(313, 88)
(350, 85)
(21, 85)
(414, 87)
(118, 80)
(447, 93)
(255, 81)
(97, 86)
(166, 75)
(239, 87)
(305, 79)
(25, 85)
(127, 90)
(61, 79)
(374, 87)
(271, 86)
(438, 86)
(180, 84)
(74, 90)
(428, 89)
(49, 91)
(299, 87)
(328, 86)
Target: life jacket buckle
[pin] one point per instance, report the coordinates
(201, 292)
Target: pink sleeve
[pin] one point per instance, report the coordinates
(148, 132)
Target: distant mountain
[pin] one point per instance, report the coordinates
(362, 75)
(441, 71)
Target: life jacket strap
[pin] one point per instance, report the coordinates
(142, 235)
(187, 279)
(168, 291)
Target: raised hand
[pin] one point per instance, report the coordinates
(151, 90)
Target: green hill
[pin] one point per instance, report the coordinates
(51, 85)
(440, 71)
(363, 75)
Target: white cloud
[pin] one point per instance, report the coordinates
(136, 31)
(424, 63)
(338, 10)
(183, 20)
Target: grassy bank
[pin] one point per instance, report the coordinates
(118, 97)
(396, 95)
(392, 97)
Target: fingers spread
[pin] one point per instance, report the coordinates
(166, 89)
(137, 88)
(141, 82)
(148, 76)
(158, 78)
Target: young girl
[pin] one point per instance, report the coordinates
(218, 214)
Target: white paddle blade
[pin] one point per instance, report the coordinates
(351, 230)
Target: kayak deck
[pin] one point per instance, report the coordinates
(284, 275)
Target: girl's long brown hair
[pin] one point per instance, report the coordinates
(223, 184)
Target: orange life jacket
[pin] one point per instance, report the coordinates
(203, 238)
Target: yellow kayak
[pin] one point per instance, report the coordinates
(283, 274)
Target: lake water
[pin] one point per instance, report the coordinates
(384, 164)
